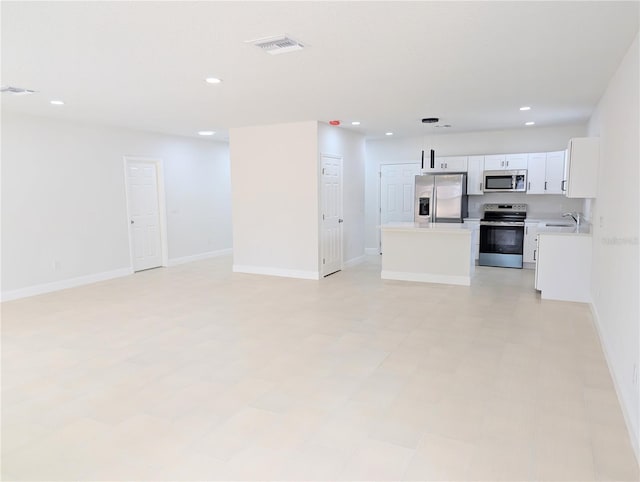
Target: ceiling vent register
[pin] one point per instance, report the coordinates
(277, 45)
(16, 90)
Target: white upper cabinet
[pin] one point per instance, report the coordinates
(571, 172)
(545, 173)
(554, 168)
(500, 162)
(516, 161)
(536, 172)
(447, 164)
(474, 175)
(495, 162)
(581, 167)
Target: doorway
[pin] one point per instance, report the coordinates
(146, 213)
(331, 221)
(397, 188)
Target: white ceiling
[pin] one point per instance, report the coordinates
(387, 64)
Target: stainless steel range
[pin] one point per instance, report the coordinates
(502, 235)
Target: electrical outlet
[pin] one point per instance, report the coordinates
(56, 265)
(602, 221)
(635, 374)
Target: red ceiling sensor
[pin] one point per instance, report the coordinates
(334, 122)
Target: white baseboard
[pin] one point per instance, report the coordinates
(371, 251)
(427, 278)
(354, 261)
(285, 273)
(198, 257)
(633, 431)
(64, 284)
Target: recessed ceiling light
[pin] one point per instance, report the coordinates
(206, 133)
(525, 107)
(388, 133)
(530, 123)
(56, 102)
(212, 80)
(355, 123)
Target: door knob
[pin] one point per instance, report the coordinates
(132, 221)
(341, 220)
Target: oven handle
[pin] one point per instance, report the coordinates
(501, 223)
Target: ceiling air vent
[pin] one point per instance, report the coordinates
(277, 45)
(16, 90)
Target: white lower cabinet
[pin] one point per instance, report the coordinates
(563, 267)
(530, 249)
(474, 226)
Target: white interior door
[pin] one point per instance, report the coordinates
(397, 188)
(331, 215)
(144, 213)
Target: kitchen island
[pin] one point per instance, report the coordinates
(428, 252)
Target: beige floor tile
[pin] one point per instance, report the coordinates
(563, 460)
(313, 462)
(196, 373)
(612, 453)
(440, 458)
(238, 432)
(375, 460)
(501, 461)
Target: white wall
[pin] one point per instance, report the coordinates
(351, 147)
(391, 151)
(615, 288)
(64, 207)
(539, 206)
(274, 178)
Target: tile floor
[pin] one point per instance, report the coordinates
(195, 373)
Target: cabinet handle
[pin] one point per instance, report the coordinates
(545, 185)
(534, 254)
(526, 230)
(562, 186)
(507, 163)
(481, 187)
(529, 188)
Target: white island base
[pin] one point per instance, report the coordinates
(432, 253)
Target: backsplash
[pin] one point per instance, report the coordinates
(544, 206)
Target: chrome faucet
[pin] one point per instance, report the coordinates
(575, 217)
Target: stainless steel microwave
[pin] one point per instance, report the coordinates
(505, 181)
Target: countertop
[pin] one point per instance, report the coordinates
(585, 227)
(543, 228)
(427, 227)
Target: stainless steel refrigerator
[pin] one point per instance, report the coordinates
(441, 198)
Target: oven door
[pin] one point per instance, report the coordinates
(501, 244)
